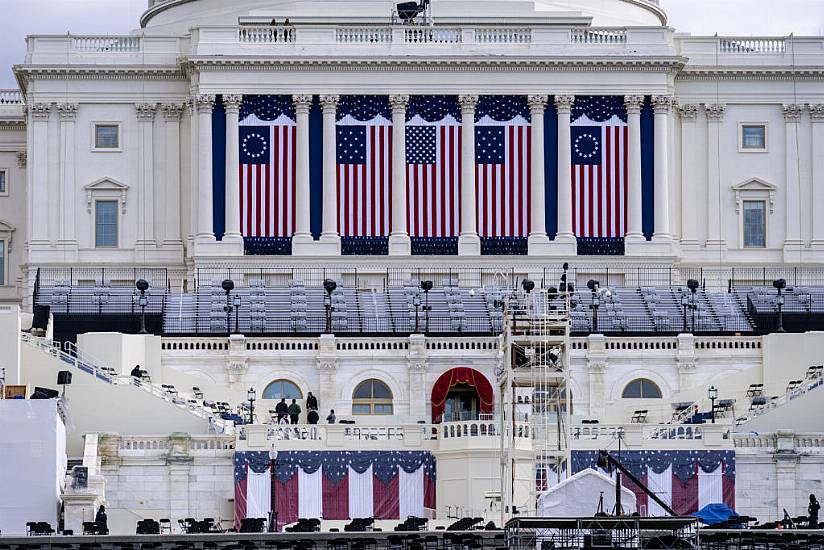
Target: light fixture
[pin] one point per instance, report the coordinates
(780, 285)
(329, 286)
(142, 285)
(251, 396)
(228, 285)
(712, 393)
(528, 285)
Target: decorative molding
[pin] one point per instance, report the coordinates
(417, 366)
(145, 111)
(662, 104)
(398, 102)
(236, 369)
(596, 366)
(329, 102)
(203, 103)
(327, 365)
(537, 104)
(754, 189)
(633, 104)
(108, 187)
(67, 111)
(715, 112)
(738, 74)
(40, 111)
(688, 111)
(302, 103)
(7, 232)
(816, 112)
(22, 157)
(468, 103)
(100, 73)
(792, 112)
(12, 125)
(563, 103)
(232, 102)
(172, 111)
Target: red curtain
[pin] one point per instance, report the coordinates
(461, 375)
(336, 498)
(385, 498)
(285, 497)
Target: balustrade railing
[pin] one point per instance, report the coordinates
(598, 36)
(363, 35)
(11, 97)
(108, 44)
(747, 45)
(265, 35)
(513, 35)
(432, 35)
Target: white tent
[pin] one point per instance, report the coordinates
(577, 496)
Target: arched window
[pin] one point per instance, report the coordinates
(282, 389)
(641, 388)
(372, 397)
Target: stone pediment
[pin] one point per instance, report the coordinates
(754, 188)
(106, 188)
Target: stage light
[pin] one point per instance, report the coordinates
(528, 285)
(407, 11)
(329, 286)
(426, 286)
(142, 286)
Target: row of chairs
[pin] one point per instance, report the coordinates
(38, 528)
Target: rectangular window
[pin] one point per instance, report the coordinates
(755, 224)
(2, 263)
(106, 136)
(4, 182)
(105, 224)
(753, 137)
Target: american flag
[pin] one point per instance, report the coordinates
(599, 167)
(364, 162)
(503, 146)
(433, 166)
(267, 166)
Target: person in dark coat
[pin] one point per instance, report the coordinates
(101, 521)
(311, 402)
(294, 412)
(812, 512)
(313, 417)
(281, 409)
(136, 371)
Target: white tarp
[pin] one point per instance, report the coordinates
(577, 496)
(32, 463)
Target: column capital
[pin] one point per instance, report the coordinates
(145, 111)
(398, 102)
(715, 111)
(816, 112)
(329, 103)
(563, 103)
(67, 111)
(232, 102)
(688, 111)
(792, 112)
(468, 102)
(22, 157)
(302, 103)
(537, 104)
(203, 103)
(662, 103)
(40, 111)
(633, 104)
(172, 111)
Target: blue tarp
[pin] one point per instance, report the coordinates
(715, 513)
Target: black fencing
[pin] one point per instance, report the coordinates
(662, 324)
(600, 246)
(504, 246)
(426, 246)
(157, 277)
(267, 246)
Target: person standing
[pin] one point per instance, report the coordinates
(294, 412)
(312, 417)
(281, 409)
(812, 512)
(101, 521)
(311, 402)
(331, 418)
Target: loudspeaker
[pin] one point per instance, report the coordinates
(80, 477)
(44, 393)
(64, 378)
(41, 317)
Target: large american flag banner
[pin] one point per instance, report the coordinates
(364, 162)
(599, 167)
(433, 166)
(503, 166)
(334, 484)
(267, 166)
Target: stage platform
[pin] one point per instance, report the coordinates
(627, 532)
(369, 540)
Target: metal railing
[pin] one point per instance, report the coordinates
(78, 361)
(157, 277)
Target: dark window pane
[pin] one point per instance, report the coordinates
(106, 136)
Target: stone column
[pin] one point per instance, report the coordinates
(597, 367)
(538, 240)
(145, 119)
(634, 222)
(39, 162)
(190, 119)
(171, 189)
(68, 191)
(563, 104)
(329, 232)
(179, 467)
(792, 201)
(685, 361)
(469, 244)
(399, 241)
(662, 104)
(715, 116)
(303, 235)
(204, 104)
(689, 176)
(817, 120)
(416, 367)
(327, 365)
(231, 235)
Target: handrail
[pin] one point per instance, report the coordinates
(809, 384)
(54, 348)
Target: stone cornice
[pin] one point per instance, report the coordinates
(12, 125)
(750, 74)
(97, 72)
(379, 64)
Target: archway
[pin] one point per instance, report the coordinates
(464, 392)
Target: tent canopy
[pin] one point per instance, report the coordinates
(577, 496)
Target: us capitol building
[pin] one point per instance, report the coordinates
(494, 237)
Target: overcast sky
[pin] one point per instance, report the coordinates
(747, 17)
